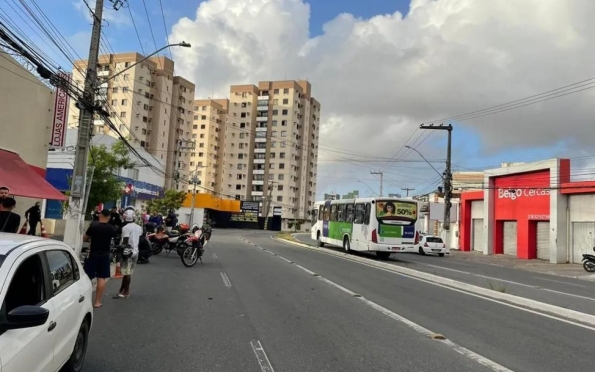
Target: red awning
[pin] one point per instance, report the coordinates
(22, 180)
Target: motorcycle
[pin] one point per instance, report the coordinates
(193, 249)
(589, 262)
(169, 241)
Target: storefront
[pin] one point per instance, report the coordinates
(136, 193)
(530, 211)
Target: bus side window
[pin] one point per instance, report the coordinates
(367, 214)
(314, 215)
(359, 213)
(320, 212)
(333, 212)
(327, 212)
(349, 213)
(341, 213)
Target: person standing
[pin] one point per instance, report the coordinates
(131, 233)
(33, 215)
(4, 192)
(9, 221)
(97, 265)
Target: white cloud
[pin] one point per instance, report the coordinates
(378, 78)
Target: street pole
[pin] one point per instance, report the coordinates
(407, 189)
(268, 204)
(447, 178)
(381, 180)
(76, 216)
(195, 181)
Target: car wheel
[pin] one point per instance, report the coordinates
(421, 251)
(77, 358)
(441, 254)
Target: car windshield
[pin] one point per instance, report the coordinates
(433, 239)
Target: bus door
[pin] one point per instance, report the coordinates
(325, 218)
(361, 227)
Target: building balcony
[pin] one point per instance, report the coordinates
(260, 151)
(257, 182)
(263, 139)
(263, 129)
(103, 73)
(257, 193)
(258, 171)
(262, 98)
(259, 161)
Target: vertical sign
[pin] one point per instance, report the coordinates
(60, 123)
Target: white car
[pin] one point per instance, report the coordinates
(431, 244)
(46, 308)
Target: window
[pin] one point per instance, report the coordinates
(123, 114)
(26, 287)
(124, 102)
(63, 269)
(281, 177)
(284, 123)
(320, 212)
(242, 135)
(114, 102)
(285, 101)
(239, 166)
(281, 165)
(115, 90)
(202, 135)
(360, 211)
(126, 76)
(333, 212)
(275, 112)
(341, 213)
(285, 91)
(280, 188)
(284, 112)
(367, 214)
(283, 133)
(203, 117)
(274, 123)
(349, 213)
(279, 198)
(275, 91)
(195, 127)
(238, 187)
(203, 126)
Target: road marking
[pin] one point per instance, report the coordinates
(547, 310)
(225, 280)
(418, 328)
(261, 356)
(214, 256)
(559, 281)
(569, 294)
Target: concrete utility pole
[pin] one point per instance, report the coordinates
(195, 181)
(76, 216)
(269, 200)
(407, 189)
(381, 180)
(447, 173)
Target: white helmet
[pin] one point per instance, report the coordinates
(129, 215)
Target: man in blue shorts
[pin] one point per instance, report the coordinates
(97, 264)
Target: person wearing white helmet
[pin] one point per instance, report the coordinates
(131, 234)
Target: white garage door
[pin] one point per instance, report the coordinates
(509, 238)
(543, 240)
(583, 239)
(477, 242)
(477, 209)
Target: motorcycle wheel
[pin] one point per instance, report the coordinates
(189, 258)
(589, 266)
(156, 249)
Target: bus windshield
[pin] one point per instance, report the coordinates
(392, 211)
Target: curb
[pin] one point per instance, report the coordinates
(517, 300)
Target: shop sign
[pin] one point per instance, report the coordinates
(60, 120)
(514, 194)
(540, 217)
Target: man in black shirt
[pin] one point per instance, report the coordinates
(9, 222)
(33, 215)
(97, 264)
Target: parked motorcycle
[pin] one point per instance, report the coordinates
(589, 262)
(193, 249)
(169, 241)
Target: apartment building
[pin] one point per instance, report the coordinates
(143, 98)
(267, 145)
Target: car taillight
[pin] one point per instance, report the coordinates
(443, 245)
(374, 236)
(416, 237)
(426, 245)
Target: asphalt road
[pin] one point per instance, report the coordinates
(248, 310)
(575, 294)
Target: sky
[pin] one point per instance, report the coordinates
(380, 68)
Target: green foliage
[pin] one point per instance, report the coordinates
(172, 199)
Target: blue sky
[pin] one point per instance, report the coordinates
(69, 18)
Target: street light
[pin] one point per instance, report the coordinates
(430, 164)
(182, 44)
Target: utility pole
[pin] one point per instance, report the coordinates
(447, 178)
(407, 189)
(195, 181)
(76, 203)
(269, 199)
(381, 180)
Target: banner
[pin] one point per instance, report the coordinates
(60, 123)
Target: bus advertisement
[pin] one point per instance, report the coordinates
(381, 225)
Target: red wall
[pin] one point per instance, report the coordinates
(524, 198)
(465, 224)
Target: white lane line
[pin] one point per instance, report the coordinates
(559, 281)
(261, 356)
(569, 294)
(285, 259)
(214, 256)
(225, 280)
(418, 328)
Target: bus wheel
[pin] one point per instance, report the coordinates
(346, 245)
(319, 241)
(383, 255)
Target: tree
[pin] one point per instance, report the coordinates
(172, 199)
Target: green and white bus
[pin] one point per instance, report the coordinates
(381, 225)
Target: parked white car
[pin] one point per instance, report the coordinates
(46, 307)
(431, 244)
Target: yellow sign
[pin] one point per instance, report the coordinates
(396, 210)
